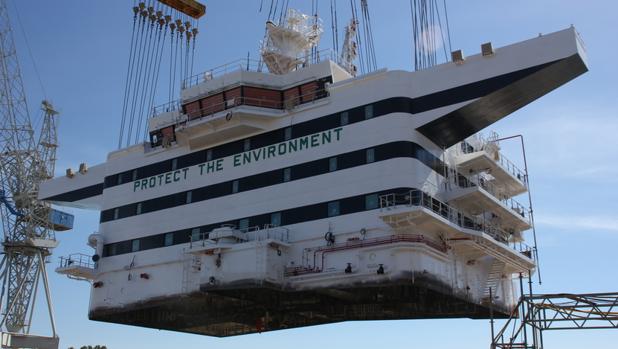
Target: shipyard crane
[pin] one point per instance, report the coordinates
(28, 225)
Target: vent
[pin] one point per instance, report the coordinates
(487, 49)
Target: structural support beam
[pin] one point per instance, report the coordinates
(563, 311)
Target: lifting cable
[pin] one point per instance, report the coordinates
(129, 78)
(138, 71)
(162, 22)
(150, 69)
(428, 33)
(142, 82)
(334, 27)
(367, 29)
(172, 26)
(359, 42)
(149, 55)
(151, 22)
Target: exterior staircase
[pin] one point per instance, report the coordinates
(493, 279)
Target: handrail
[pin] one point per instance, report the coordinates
(421, 199)
(245, 64)
(253, 233)
(320, 252)
(240, 101)
(478, 180)
(502, 161)
(172, 106)
(77, 260)
(290, 103)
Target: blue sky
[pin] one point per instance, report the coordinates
(81, 51)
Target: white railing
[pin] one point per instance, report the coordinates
(489, 145)
(478, 180)
(224, 69)
(167, 107)
(211, 110)
(245, 64)
(77, 260)
(254, 233)
(418, 198)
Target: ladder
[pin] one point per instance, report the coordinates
(190, 266)
(493, 279)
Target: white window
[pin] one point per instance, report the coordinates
(275, 219)
(169, 239)
(344, 118)
(135, 245)
(332, 164)
(370, 155)
(368, 111)
(333, 208)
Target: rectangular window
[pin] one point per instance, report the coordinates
(287, 174)
(247, 144)
(135, 245)
(138, 209)
(112, 250)
(370, 155)
(343, 118)
(368, 111)
(208, 154)
(287, 133)
(243, 224)
(116, 213)
(275, 219)
(169, 239)
(332, 164)
(371, 202)
(174, 164)
(119, 179)
(333, 208)
(195, 234)
(235, 186)
(189, 197)
(134, 175)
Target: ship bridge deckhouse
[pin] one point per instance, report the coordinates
(265, 201)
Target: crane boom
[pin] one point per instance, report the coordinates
(25, 162)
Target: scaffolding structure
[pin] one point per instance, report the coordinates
(536, 314)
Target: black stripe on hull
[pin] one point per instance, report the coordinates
(500, 97)
(78, 194)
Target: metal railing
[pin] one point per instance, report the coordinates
(254, 233)
(510, 167)
(211, 110)
(244, 64)
(320, 252)
(478, 180)
(489, 145)
(167, 107)
(418, 198)
(287, 104)
(77, 260)
(269, 232)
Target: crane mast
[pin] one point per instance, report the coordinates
(27, 223)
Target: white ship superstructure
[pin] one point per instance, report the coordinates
(270, 201)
